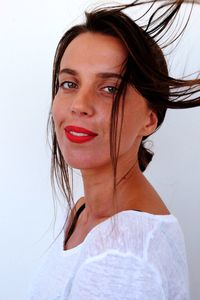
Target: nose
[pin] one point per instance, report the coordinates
(83, 103)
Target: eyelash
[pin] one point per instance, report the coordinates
(72, 85)
(68, 82)
(113, 88)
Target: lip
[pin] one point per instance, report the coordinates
(79, 139)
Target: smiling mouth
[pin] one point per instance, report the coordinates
(78, 134)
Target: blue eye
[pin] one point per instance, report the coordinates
(111, 90)
(68, 85)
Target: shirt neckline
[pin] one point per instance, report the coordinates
(165, 218)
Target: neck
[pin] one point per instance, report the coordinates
(98, 190)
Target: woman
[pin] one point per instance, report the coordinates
(111, 89)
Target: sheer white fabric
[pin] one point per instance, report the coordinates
(140, 256)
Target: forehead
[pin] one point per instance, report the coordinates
(94, 50)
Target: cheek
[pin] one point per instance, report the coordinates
(58, 115)
(57, 111)
(133, 122)
(54, 110)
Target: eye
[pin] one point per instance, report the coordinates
(111, 90)
(68, 85)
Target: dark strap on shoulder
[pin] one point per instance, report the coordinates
(81, 208)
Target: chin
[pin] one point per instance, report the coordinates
(85, 158)
(83, 163)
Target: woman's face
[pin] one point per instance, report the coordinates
(90, 73)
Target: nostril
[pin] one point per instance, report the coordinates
(80, 113)
(81, 110)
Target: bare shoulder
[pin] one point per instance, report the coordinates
(154, 203)
(149, 200)
(79, 203)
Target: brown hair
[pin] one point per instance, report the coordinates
(145, 68)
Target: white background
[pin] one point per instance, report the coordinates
(29, 33)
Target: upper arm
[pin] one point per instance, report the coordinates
(114, 275)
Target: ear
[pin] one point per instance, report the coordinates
(150, 124)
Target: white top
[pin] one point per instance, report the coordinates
(143, 258)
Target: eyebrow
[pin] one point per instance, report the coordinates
(103, 75)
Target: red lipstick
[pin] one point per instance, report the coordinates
(78, 134)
